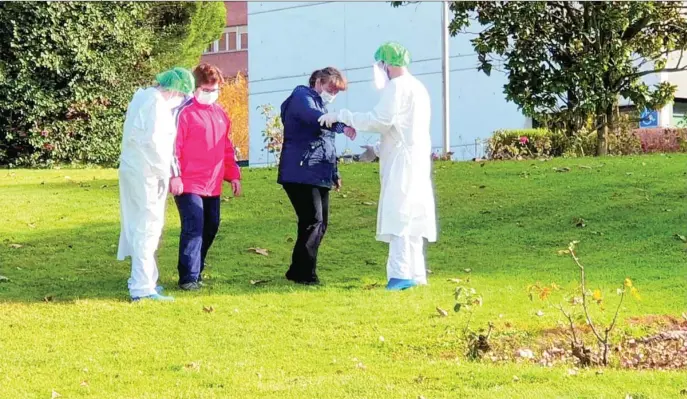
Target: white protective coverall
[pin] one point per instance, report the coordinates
(406, 215)
(147, 150)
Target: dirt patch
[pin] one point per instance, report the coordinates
(664, 349)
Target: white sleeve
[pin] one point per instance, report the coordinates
(382, 117)
(151, 138)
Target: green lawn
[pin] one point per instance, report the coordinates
(504, 221)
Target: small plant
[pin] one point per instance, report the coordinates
(583, 300)
(467, 300)
(274, 131)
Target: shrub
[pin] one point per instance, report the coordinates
(662, 139)
(520, 144)
(69, 69)
(273, 132)
(233, 98)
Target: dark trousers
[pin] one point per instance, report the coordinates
(311, 204)
(199, 225)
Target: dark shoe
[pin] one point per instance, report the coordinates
(192, 286)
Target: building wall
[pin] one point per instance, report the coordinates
(230, 53)
(293, 39)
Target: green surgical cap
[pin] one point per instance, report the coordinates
(393, 54)
(177, 79)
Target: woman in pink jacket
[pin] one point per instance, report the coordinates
(204, 157)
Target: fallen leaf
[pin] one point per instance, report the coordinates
(442, 312)
(31, 225)
(208, 309)
(681, 237)
(564, 252)
(429, 271)
(361, 366)
(515, 378)
(48, 298)
(540, 313)
(256, 282)
(684, 315)
(16, 246)
(4, 279)
(455, 280)
(84, 383)
(193, 366)
(467, 270)
(628, 283)
(561, 170)
(683, 392)
(103, 186)
(381, 339)
(368, 203)
(371, 286)
(55, 394)
(482, 187)
(290, 239)
(260, 251)
(585, 167)
(525, 353)
(572, 372)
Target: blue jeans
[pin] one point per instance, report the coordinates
(199, 225)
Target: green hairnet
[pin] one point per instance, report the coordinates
(177, 79)
(393, 54)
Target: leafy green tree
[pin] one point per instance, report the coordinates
(69, 69)
(572, 61)
(184, 31)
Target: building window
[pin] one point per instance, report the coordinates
(679, 113)
(234, 38)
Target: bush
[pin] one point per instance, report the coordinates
(520, 144)
(69, 69)
(662, 139)
(233, 98)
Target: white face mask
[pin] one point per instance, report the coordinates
(381, 77)
(327, 97)
(206, 98)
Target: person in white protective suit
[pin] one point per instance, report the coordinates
(144, 170)
(406, 216)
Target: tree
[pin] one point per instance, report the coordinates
(69, 69)
(233, 98)
(184, 31)
(572, 61)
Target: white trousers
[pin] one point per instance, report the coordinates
(407, 259)
(143, 214)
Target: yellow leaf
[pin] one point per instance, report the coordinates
(544, 293)
(628, 282)
(555, 287)
(233, 98)
(635, 293)
(597, 295)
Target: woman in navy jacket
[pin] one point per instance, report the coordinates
(307, 166)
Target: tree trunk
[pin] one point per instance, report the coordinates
(605, 119)
(601, 134)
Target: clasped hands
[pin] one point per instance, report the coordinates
(331, 118)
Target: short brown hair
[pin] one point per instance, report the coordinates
(206, 74)
(327, 75)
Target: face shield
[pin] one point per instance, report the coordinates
(381, 77)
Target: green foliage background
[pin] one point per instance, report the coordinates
(68, 71)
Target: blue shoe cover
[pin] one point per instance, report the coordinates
(159, 289)
(397, 284)
(154, 297)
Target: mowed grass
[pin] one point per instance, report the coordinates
(504, 221)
